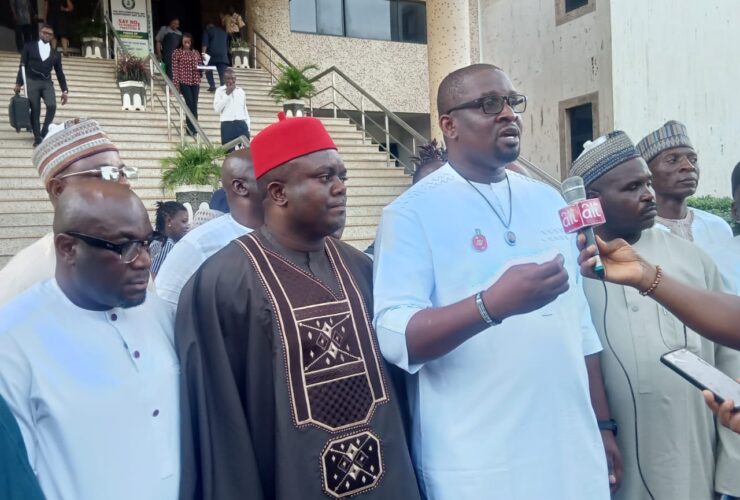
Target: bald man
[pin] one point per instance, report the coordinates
(476, 297)
(245, 215)
(87, 364)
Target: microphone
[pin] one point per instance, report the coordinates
(581, 215)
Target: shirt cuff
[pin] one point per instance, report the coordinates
(391, 330)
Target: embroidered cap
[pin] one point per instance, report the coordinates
(603, 154)
(286, 140)
(65, 144)
(672, 134)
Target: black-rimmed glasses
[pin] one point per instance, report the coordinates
(494, 104)
(107, 172)
(128, 251)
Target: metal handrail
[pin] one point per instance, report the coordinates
(242, 139)
(171, 90)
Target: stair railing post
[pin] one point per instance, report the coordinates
(413, 144)
(362, 114)
(151, 82)
(169, 112)
(387, 140)
(334, 93)
(272, 79)
(254, 51)
(182, 127)
(107, 39)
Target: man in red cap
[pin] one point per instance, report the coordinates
(285, 394)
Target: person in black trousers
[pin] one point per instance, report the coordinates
(216, 44)
(186, 76)
(39, 59)
(23, 17)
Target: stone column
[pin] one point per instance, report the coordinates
(448, 47)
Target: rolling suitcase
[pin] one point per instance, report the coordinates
(19, 110)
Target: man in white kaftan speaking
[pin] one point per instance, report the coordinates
(477, 297)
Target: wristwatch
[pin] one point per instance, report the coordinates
(609, 425)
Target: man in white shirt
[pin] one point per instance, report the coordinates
(230, 103)
(87, 364)
(245, 206)
(72, 152)
(673, 161)
(477, 295)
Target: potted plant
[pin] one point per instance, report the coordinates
(91, 35)
(192, 173)
(292, 87)
(132, 76)
(240, 54)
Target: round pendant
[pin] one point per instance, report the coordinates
(510, 237)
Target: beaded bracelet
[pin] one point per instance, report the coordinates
(658, 276)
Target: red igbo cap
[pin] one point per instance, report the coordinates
(288, 139)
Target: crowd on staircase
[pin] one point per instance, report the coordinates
(258, 355)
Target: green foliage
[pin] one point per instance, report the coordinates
(293, 83)
(192, 164)
(131, 68)
(89, 28)
(239, 44)
(721, 207)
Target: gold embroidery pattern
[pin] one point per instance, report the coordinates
(335, 379)
(351, 465)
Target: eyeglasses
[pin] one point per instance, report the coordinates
(107, 172)
(494, 104)
(128, 251)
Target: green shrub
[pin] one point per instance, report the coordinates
(293, 83)
(192, 164)
(717, 206)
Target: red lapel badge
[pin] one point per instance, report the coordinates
(480, 243)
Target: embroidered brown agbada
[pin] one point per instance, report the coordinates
(285, 394)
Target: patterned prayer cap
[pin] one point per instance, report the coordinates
(74, 140)
(671, 135)
(603, 154)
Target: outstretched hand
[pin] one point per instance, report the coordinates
(622, 264)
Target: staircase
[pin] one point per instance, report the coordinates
(26, 213)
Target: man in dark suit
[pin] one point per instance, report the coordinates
(216, 45)
(39, 58)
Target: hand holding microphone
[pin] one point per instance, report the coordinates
(581, 215)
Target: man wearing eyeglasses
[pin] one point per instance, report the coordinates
(87, 362)
(476, 298)
(74, 151)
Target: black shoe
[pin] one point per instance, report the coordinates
(212, 89)
(36, 142)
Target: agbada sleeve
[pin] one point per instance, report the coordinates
(218, 455)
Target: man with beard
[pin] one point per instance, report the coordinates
(477, 297)
(87, 364)
(679, 453)
(285, 394)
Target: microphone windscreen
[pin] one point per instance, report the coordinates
(573, 189)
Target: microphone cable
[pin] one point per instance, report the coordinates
(632, 392)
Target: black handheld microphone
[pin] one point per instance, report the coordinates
(581, 215)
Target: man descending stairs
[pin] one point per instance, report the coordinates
(26, 214)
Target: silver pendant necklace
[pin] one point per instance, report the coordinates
(509, 235)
